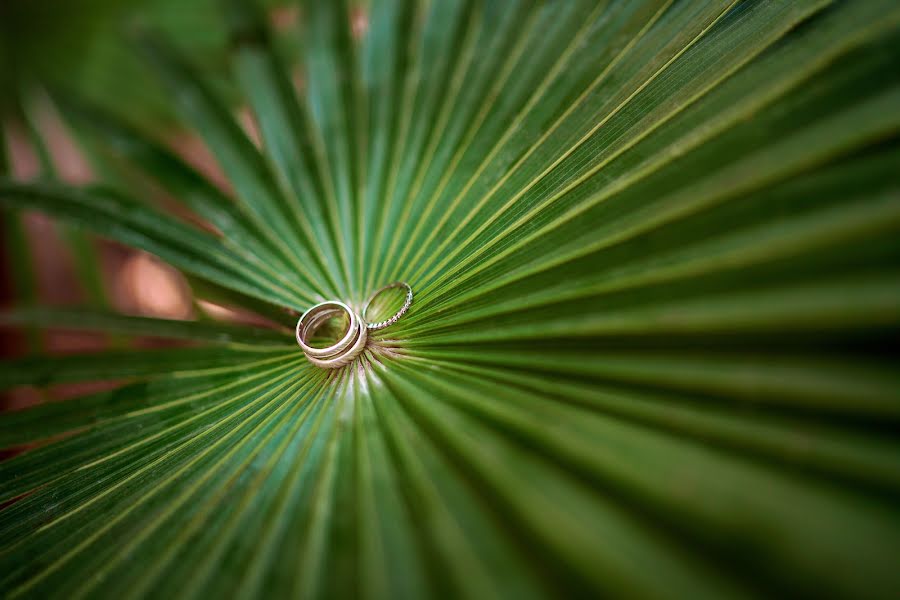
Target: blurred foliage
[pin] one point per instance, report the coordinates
(83, 47)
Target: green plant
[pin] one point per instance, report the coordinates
(83, 46)
(654, 247)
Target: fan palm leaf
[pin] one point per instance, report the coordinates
(654, 252)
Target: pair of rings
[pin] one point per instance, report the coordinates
(354, 340)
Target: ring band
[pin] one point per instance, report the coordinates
(341, 359)
(398, 314)
(314, 317)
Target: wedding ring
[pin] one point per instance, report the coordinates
(345, 357)
(344, 350)
(398, 314)
(314, 317)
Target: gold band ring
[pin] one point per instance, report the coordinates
(314, 317)
(345, 357)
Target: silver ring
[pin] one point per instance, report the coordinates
(398, 314)
(314, 317)
(341, 359)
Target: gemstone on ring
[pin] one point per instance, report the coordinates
(396, 317)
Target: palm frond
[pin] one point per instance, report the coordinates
(652, 352)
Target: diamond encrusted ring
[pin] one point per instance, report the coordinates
(398, 314)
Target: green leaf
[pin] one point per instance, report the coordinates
(266, 204)
(15, 244)
(116, 365)
(284, 126)
(83, 319)
(655, 253)
(110, 214)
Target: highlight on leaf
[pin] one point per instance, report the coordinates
(639, 337)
